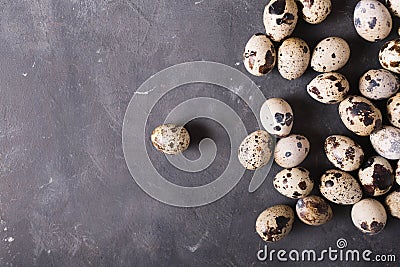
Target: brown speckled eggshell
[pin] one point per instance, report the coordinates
(369, 216)
(313, 210)
(376, 176)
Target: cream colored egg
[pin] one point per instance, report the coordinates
(378, 84)
(393, 110)
(276, 116)
(330, 54)
(313, 210)
(343, 152)
(255, 150)
(369, 216)
(280, 19)
(389, 56)
(386, 142)
(376, 176)
(170, 138)
(291, 151)
(392, 201)
(293, 58)
(315, 11)
(259, 55)
(328, 88)
(294, 182)
(275, 223)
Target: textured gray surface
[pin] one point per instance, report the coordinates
(67, 72)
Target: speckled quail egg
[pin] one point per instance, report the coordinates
(389, 56)
(293, 58)
(277, 116)
(275, 223)
(369, 216)
(340, 187)
(343, 152)
(280, 19)
(392, 201)
(315, 11)
(378, 84)
(294, 182)
(376, 176)
(394, 7)
(259, 55)
(330, 54)
(313, 210)
(393, 110)
(292, 150)
(328, 88)
(386, 142)
(397, 174)
(170, 138)
(359, 115)
(255, 150)
(372, 20)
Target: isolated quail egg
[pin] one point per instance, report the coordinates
(293, 58)
(392, 201)
(259, 55)
(328, 88)
(386, 142)
(255, 150)
(313, 210)
(315, 11)
(275, 223)
(393, 110)
(394, 6)
(292, 150)
(330, 54)
(294, 182)
(340, 187)
(369, 216)
(277, 116)
(170, 138)
(359, 115)
(343, 152)
(389, 56)
(378, 84)
(372, 20)
(280, 19)
(397, 177)
(376, 176)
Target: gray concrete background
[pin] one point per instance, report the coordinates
(68, 69)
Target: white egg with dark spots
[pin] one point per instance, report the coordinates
(372, 20)
(343, 152)
(280, 19)
(394, 7)
(389, 56)
(276, 116)
(359, 115)
(378, 84)
(340, 187)
(259, 55)
(170, 138)
(294, 182)
(330, 54)
(392, 202)
(386, 142)
(397, 174)
(329, 88)
(293, 58)
(292, 150)
(275, 223)
(393, 110)
(369, 216)
(376, 176)
(313, 210)
(315, 11)
(255, 150)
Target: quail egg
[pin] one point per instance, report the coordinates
(315, 11)
(393, 110)
(294, 182)
(359, 115)
(394, 6)
(376, 176)
(255, 150)
(330, 54)
(369, 216)
(259, 55)
(378, 84)
(313, 210)
(292, 150)
(372, 20)
(389, 56)
(275, 223)
(280, 19)
(170, 138)
(343, 152)
(293, 58)
(340, 187)
(386, 142)
(398, 173)
(328, 88)
(277, 116)
(392, 201)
